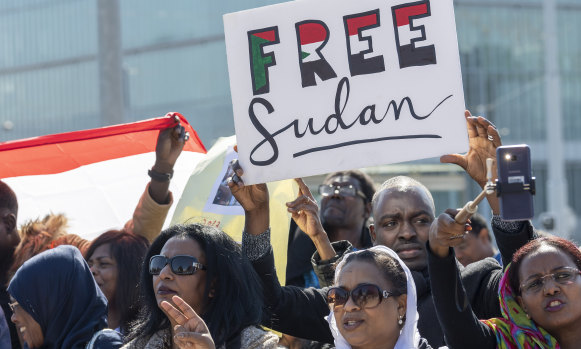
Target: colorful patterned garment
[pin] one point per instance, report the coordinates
(514, 330)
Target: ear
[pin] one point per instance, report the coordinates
(402, 305)
(521, 303)
(9, 221)
(372, 233)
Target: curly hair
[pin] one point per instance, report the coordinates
(236, 301)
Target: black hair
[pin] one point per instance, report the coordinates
(8, 198)
(128, 251)
(236, 301)
(366, 183)
(391, 269)
(561, 244)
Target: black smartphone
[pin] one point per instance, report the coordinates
(515, 185)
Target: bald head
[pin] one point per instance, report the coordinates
(403, 184)
(8, 198)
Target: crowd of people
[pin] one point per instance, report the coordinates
(370, 268)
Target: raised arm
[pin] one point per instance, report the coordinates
(292, 310)
(457, 319)
(483, 140)
(154, 204)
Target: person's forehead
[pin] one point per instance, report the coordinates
(361, 272)
(544, 261)
(412, 199)
(182, 246)
(343, 179)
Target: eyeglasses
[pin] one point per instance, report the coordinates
(180, 265)
(345, 190)
(563, 276)
(13, 306)
(364, 296)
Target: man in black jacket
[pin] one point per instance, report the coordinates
(403, 210)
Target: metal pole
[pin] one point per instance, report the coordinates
(110, 58)
(557, 183)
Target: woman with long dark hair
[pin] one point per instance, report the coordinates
(115, 259)
(205, 268)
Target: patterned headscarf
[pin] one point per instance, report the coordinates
(409, 336)
(514, 330)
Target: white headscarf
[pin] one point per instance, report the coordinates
(409, 336)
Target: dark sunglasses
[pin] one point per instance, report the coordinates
(180, 265)
(364, 296)
(344, 190)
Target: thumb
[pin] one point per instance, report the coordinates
(454, 159)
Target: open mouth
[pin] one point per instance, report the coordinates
(351, 325)
(164, 290)
(555, 305)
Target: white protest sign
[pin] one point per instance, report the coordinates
(325, 85)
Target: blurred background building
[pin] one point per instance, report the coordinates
(75, 64)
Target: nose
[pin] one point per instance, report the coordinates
(14, 318)
(350, 305)
(550, 287)
(407, 231)
(166, 273)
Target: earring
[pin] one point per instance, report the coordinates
(528, 316)
(400, 321)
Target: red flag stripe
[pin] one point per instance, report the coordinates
(402, 15)
(353, 24)
(267, 35)
(311, 33)
(66, 151)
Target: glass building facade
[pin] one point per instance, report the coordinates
(173, 59)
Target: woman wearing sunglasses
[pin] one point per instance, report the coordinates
(373, 302)
(205, 268)
(540, 295)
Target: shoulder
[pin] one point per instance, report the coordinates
(253, 337)
(106, 339)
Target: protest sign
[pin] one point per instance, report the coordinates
(207, 199)
(325, 85)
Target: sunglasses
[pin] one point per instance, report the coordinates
(180, 265)
(563, 276)
(344, 190)
(364, 296)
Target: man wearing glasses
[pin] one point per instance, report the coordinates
(345, 211)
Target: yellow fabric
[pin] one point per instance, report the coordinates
(192, 206)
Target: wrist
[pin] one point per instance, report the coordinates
(439, 250)
(162, 167)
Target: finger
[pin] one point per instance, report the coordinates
(172, 312)
(185, 308)
(236, 167)
(457, 159)
(303, 188)
(304, 207)
(471, 125)
(300, 200)
(494, 136)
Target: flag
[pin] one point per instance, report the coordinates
(207, 199)
(95, 177)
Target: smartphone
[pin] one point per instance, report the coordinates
(515, 182)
